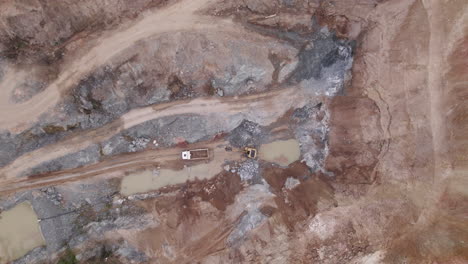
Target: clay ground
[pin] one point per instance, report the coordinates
(374, 93)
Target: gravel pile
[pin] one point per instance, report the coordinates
(247, 133)
(311, 130)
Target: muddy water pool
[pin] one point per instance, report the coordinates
(148, 180)
(19, 232)
(282, 152)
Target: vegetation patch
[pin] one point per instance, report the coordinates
(68, 257)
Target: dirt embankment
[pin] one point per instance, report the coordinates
(389, 129)
(33, 31)
(104, 49)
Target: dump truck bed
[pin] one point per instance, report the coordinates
(195, 154)
(199, 154)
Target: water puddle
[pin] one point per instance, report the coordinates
(282, 152)
(19, 232)
(147, 180)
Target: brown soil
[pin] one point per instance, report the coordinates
(299, 203)
(354, 154)
(219, 191)
(201, 235)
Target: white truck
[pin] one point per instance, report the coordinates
(195, 154)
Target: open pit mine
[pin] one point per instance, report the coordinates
(234, 131)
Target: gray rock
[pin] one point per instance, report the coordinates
(131, 254)
(291, 183)
(88, 155)
(240, 79)
(248, 222)
(37, 255)
(312, 134)
(249, 171)
(144, 196)
(324, 64)
(247, 134)
(138, 144)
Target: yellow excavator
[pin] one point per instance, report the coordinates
(250, 152)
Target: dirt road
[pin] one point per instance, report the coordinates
(166, 158)
(119, 165)
(264, 108)
(181, 16)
